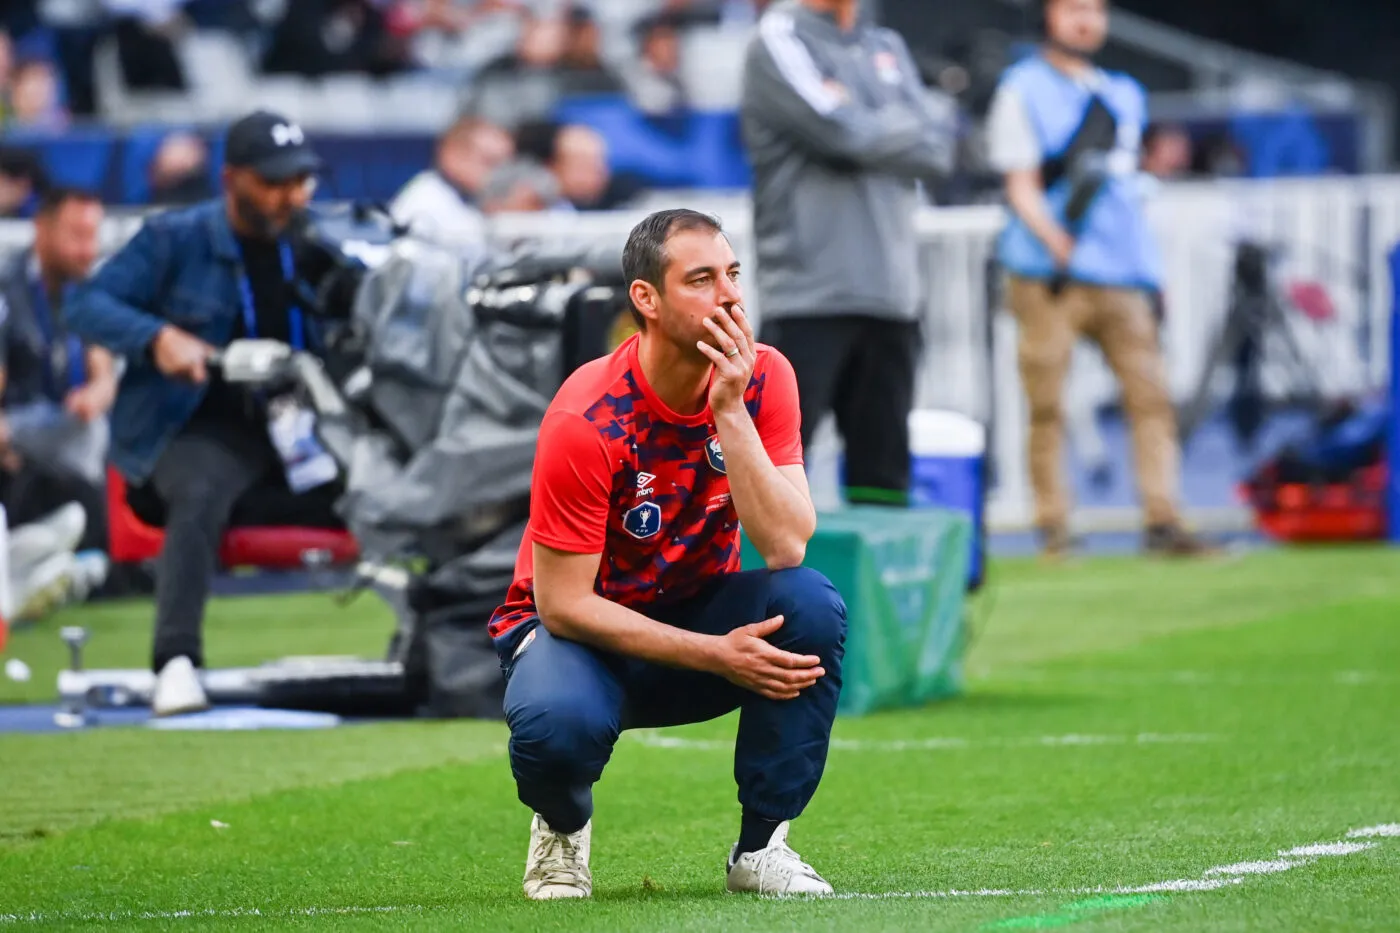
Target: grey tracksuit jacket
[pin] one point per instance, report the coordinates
(839, 129)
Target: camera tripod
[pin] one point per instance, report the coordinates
(1255, 315)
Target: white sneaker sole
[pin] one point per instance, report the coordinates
(46, 588)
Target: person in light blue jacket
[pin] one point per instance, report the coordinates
(1081, 260)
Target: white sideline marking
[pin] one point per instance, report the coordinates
(905, 895)
(655, 740)
(1212, 884)
(118, 916)
(1211, 678)
(1190, 884)
(1328, 848)
(1254, 868)
(1212, 880)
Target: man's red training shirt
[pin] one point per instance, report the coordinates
(618, 473)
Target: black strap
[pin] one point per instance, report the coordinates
(1096, 136)
(1097, 133)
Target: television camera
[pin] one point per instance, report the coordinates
(437, 370)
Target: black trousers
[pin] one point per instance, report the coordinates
(211, 478)
(862, 369)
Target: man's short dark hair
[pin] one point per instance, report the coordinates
(645, 255)
(53, 197)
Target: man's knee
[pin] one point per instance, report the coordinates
(199, 500)
(1045, 411)
(1152, 406)
(560, 734)
(1042, 376)
(1145, 392)
(814, 614)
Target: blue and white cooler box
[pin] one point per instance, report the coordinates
(948, 452)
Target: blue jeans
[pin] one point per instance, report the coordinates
(566, 703)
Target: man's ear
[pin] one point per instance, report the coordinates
(644, 299)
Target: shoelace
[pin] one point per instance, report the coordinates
(557, 855)
(784, 855)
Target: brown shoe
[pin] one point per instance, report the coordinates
(1055, 543)
(1174, 541)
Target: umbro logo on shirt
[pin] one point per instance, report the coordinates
(644, 481)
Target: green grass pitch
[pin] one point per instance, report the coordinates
(1142, 746)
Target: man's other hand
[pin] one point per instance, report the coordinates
(88, 402)
(1062, 249)
(181, 355)
(746, 659)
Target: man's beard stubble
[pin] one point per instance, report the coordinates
(683, 340)
(257, 223)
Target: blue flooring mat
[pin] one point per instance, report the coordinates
(1108, 544)
(41, 718)
(1212, 464)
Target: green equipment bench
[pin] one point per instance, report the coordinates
(903, 574)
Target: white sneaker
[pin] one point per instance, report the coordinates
(90, 569)
(178, 689)
(56, 532)
(775, 870)
(558, 863)
(43, 587)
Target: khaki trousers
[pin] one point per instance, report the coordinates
(1121, 322)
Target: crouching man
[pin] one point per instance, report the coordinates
(628, 608)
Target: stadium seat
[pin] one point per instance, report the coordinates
(119, 105)
(408, 103)
(340, 101)
(220, 70)
(293, 96)
(712, 68)
(131, 541)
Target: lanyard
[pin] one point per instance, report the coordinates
(250, 315)
(70, 357)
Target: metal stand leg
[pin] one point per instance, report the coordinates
(74, 713)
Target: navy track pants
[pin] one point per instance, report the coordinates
(566, 703)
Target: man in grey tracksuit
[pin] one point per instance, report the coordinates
(840, 130)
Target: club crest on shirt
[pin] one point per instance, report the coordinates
(642, 521)
(714, 454)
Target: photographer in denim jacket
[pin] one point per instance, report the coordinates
(198, 452)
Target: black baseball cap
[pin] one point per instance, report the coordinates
(271, 145)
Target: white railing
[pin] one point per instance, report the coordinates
(1333, 232)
